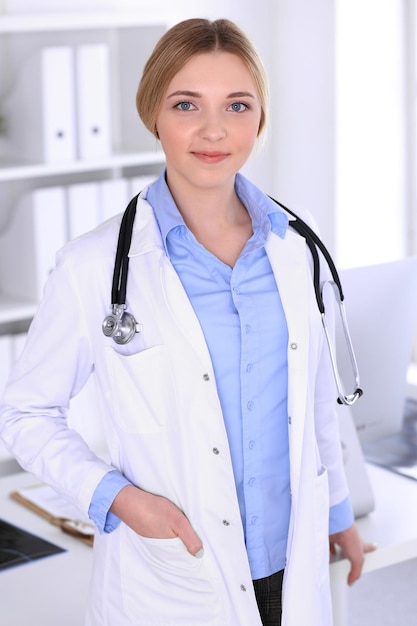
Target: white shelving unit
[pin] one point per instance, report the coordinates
(130, 38)
(134, 152)
(93, 20)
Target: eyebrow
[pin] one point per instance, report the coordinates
(196, 94)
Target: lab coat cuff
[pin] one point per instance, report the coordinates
(103, 498)
(341, 516)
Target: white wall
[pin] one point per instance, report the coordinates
(339, 131)
(303, 132)
(371, 188)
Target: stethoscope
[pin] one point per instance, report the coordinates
(121, 326)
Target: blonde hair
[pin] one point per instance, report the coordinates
(178, 45)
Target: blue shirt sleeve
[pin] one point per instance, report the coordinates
(341, 516)
(102, 499)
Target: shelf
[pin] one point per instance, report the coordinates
(38, 170)
(15, 311)
(127, 35)
(44, 22)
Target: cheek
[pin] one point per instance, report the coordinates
(246, 132)
(167, 137)
(171, 130)
(248, 137)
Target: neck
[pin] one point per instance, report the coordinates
(216, 217)
(217, 207)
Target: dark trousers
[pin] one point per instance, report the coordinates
(268, 592)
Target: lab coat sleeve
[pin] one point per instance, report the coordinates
(55, 364)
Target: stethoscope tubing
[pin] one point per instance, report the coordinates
(313, 242)
(122, 326)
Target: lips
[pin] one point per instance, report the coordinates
(210, 157)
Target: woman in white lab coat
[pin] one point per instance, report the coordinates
(178, 555)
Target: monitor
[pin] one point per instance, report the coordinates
(381, 307)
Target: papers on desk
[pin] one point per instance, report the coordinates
(17, 546)
(45, 501)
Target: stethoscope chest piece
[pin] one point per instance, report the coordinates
(120, 325)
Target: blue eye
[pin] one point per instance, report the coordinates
(184, 106)
(237, 107)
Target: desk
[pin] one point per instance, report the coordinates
(392, 526)
(54, 590)
(49, 591)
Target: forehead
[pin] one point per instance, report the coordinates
(223, 70)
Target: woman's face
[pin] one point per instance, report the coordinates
(209, 120)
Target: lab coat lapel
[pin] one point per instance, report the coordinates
(290, 267)
(182, 311)
(146, 238)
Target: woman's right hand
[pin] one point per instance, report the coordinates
(155, 517)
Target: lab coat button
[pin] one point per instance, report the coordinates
(289, 419)
(242, 587)
(293, 346)
(206, 377)
(226, 523)
(216, 451)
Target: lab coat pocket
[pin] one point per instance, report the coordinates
(321, 524)
(141, 390)
(163, 583)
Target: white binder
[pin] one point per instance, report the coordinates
(138, 183)
(93, 101)
(29, 245)
(114, 195)
(82, 208)
(40, 113)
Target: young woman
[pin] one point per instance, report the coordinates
(226, 475)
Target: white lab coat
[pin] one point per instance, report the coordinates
(165, 432)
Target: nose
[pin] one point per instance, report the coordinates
(212, 127)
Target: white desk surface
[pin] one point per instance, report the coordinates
(51, 591)
(392, 525)
(54, 590)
